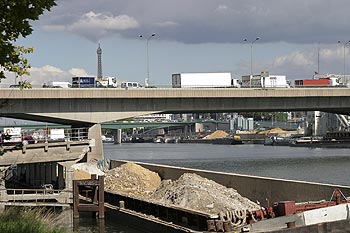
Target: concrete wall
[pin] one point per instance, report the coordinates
(254, 187)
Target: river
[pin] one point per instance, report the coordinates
(296, 163)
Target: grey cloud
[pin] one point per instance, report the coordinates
(200, 21)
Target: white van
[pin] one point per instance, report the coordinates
(127, 85)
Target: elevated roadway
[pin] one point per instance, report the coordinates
(89, 107)
(94, 106)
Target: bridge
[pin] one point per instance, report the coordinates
(94, 106)
(91, 107)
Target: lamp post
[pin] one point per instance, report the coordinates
(344, 53)
(147, 42)
(251, 58)
(318, 58)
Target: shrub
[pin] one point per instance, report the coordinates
(28, 220)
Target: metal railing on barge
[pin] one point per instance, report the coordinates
(33, 197)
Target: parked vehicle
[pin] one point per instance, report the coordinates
(182, 80)
(14, 136)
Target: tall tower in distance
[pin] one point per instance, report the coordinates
(99, 62)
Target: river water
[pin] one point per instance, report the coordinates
(295, 163)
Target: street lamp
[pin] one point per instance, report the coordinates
(344, 54)
(318, 58)
(147, 42)
(251, 58)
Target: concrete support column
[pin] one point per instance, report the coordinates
(37, 174)
(61, 183)
(42, 175)
(54, 174)
(48, 173)
(29, 173)
(96, 152)
(117, 134)
(3, 193)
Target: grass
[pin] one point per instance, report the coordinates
(28, 220)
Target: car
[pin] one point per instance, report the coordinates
(15, 86)
(6, 140)
(127, 85)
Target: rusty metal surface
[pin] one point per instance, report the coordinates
(94, 195)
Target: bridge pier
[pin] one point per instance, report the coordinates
(117, 134)
(95, 134)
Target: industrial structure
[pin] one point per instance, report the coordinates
(99, 62)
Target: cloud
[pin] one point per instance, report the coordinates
(205, 21)
(40, 75)
(95, 26)
(296, 59)
(221, 8)
(78, 72)
(167, 24)
(53, 28)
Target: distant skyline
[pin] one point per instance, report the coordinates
(191, 36)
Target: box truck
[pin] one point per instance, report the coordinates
(208, 80)
(265, 81)
(107, 82)
(57, 84)
(83, 82)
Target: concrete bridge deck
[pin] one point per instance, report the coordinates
(92, 106)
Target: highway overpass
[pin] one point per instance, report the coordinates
(94, 106)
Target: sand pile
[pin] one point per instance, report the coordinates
(132, 179)
(273, 131)
(217, 134)
(83, 171)
(195, 192)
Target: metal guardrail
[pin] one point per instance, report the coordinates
(36, 195)
(46, 135)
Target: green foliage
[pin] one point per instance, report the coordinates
(25, 85)
(15, 18)
(28, 220)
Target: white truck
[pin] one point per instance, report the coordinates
(57, 84)
(208, 80)
(265, 80)
(107, 82)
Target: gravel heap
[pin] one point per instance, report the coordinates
(195, 192)
(132, 179)
(190, 191)
(217, 134)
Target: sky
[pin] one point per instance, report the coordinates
(297, 38)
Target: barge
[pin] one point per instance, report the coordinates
(215, 141)
(282, 216)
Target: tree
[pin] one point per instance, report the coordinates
(15, 18)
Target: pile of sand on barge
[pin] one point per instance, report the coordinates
(190, 191)
(132, 179)
(195, 192)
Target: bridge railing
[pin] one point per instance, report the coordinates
(54, 135)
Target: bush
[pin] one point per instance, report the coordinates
(28, 220)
